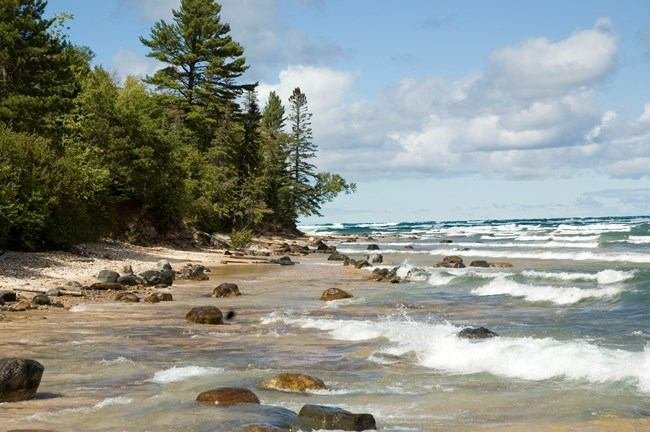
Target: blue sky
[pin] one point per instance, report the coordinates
(442, 109)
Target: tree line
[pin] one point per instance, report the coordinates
(83, 155)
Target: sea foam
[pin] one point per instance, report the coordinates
(181, 373)
(437, 347)
(603, 277)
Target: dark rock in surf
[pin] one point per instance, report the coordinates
(196, 272)
(227, 396)
(500, 264)
(285, 260)
(336, 256)
(479, 263)
(158, 297)
(408, 247)
(205, 315)
(446, 241)
(451, 262)
(19, 379)
(372, 247)
(41, 300)
(335, 294)
(226, 290)
(314, 417)
(476, 333)
(361, 264)
(108, 276)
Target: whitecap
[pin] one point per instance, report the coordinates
(552, 255)
(118, 360)
(603, 277)
(181, 373)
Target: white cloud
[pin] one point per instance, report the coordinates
(645, 116)
(127, 62)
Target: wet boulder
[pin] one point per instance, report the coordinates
(322, 247)
(375, 258)
(41, 300)
(19, 379)
(408, 247)
(335, 294)
(314, 417)
(372, 247)
(446, 241)
(8, 296)
(293, 382)
(452, 261)
(127, 297)
(196, 272)
(227, 396)
(158, 277)
(158, 297)
(108, 276)
(500, 264)
(479, 263)
(361, 264)
(101, 286)
(336, 256)
(476, 333)
(379, 274)
(226, 290)
(130, 280)
(205, 315)
(285, 261)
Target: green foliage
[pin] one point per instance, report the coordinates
(241, 239)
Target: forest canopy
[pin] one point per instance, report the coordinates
(85, 156)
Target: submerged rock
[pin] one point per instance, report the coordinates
(479, 263)
(476, 333)
(452, 261)
(285, 260)
(195, 272)
(127, 297)
(447, 241)
(336, 256)
(205, 315)
(158, 297)
(19, 379)
(293, 382)
(335, 294)
(108, 276)
(333, 418)
(408, 247)
(227, 396)
(226, 290)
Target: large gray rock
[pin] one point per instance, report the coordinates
(130, 280)
(19, 379)
(108, 276)
(205, 315)
(315, 417)
(285, 260)
(158, 277)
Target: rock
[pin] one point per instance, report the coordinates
(479, 263)
(73, 285)
(285, 260)
(372, 247)
(293, 382)
(157, 277)
(101, 286)
(281, 248)
(362, 264)
(263, 428)
(335, 294)
(163, 264)
(500, 264)
(127, 297)
(130, 280)
(336, 256)
(226, 290)
(375, 259)
(446, 241)
(332, 418)
(297, 249)
(158, 297)
(378, 274)
(30, 430)
(127, 269)
(41, 300)
(451, 262)
(226, 396)
(108, 276)
(195, 272)
(21, 306)
(476, 333)
(322, 247)
(8, 296)
(408, 247)
(205, 315)
(19, 379)
(53, 292)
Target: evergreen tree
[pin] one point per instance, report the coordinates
(248, 155)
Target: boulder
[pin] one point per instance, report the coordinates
(8, 296)
(226, 396)
(157, 277)
(322, 247)
(300, 250)
(335, 294)
(226, 290)
(479, 263)
(336, 256)
(108, 276)
(101, 286)
(19, 379)
(41, 300)
(375, 259)
(205, 315)
(130, 280)
(333, 418)
(372, 247)
(500, 264)
(476, 333)
(53, 292)
(73, 285)
(361, 264)
(378, 274)
(281, 248)
(195, 272)
(408, 247)
(127, 297)
(157, 297)
(293, 382)
(447, 241)
(285, 260)
(163, 264)
(451, 262)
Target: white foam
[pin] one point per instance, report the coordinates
(603, 277)
(552, 255)
(438, 347)
(546, 244)
(181, 373)
(120, 400)
(439, 278)
(638, 239)
(118, 360)
(539, 293)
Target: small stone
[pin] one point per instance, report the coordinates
(335, 294)
(226, 290)
(205, 315)
(227, 396)
(293, 382)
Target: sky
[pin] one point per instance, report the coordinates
(441, 110)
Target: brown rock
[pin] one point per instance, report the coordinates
(335, 294)
(479, 263)
(22, 306)
(452, 261)
(127, 297)
(158, 297)
(226, 290)
(101, 286)
(226, 396)
(500, 264)
(293, 382)
(263, 428)
(19, 379)
(205, 315)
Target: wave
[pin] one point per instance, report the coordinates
(552, 255)
(638, 239)
(118, 360)
(560, 238)
(603, 277)
(539, 293)
(546, 244)
(437, 347)
(175, 374)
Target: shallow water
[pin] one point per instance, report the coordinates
(572, 352)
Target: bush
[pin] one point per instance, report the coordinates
(241, 239)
